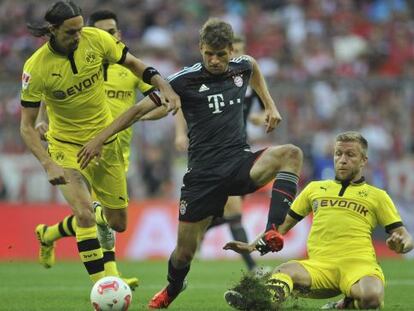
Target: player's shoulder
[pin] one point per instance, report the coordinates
(242, 61)
(320, 184)
(38, 58)
(88, 31)
(377, 192)
(186, 72)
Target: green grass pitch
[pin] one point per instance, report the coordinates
(26, 286)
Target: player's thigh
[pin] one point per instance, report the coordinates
(353, 271)
(76, 193)
(322, 276)
(273, 159)
(233, 206)
(300, 276)
(108, 178)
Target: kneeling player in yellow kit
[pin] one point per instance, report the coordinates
(121, 87)
(341, 256)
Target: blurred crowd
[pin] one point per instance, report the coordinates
(331, 65)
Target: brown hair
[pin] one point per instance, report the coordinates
(353, 136)
(216, 33)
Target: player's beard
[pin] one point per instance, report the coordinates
(349, 177)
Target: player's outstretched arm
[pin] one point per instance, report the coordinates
(400, 240)
(55, 173)
(151, 76)
(258, 83)
(181, 138)
(93, 148)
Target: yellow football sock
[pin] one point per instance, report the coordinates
(64, 228)
(90, 252)
(109, 262)
(282, 280)
(99, 214)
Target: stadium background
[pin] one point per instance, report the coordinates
(331, 66)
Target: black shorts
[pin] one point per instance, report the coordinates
(205, 189)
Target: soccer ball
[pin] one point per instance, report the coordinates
(111, 294)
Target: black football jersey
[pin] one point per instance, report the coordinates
(213, 109)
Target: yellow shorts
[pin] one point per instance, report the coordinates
(340, 274)
(106, 177)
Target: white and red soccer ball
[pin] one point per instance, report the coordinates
(111, 294)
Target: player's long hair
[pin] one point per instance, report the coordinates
(216, 33)
(55, 16)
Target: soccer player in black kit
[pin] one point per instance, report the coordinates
(220, 163)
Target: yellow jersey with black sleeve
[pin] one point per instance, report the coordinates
(344, 216)
(72, 86)
(121, 87)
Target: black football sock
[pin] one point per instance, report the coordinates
(283, 194)
(176, 278)
(239, 234)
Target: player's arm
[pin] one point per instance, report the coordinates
(32, 140)
(181, 138)
(93, 147)
(400, 240)
(42, 125)
(151, 76)
(258, 84)
(156, 114)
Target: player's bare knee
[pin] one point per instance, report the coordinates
(371, 301)
(118, 226)
(292, 157)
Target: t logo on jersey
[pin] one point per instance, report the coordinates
(216, 102)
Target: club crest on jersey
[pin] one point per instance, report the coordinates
(25, 80)
(238, 81)
(90, 57)
(183, 207)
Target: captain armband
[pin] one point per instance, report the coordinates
(155, 97)
(148, 73)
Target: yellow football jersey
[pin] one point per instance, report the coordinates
(72, 87)
(344, 218)
(121, 87)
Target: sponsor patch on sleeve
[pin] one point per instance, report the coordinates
(25, 80)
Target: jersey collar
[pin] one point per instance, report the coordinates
(355, 183)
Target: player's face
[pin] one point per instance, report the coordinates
(349, 161)
(68, 34)
(109, 25)
(216, 61)
(238, 49)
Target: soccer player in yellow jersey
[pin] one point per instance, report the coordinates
(66, 73)
(121, 87)
(341, 257)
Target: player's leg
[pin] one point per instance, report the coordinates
(189, 237)
(77, 194)
(48, 235)
(368, 293)
(283, 163)
(280, 285)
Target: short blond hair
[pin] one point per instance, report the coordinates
(353, 136)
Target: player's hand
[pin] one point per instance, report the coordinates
(42, 127)
(239, 247)
(90, 151)
(181, 143)
(399, 243)
(55, 174)
(272, 119)
(170, 99)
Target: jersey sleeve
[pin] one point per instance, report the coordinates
(114, 50)
(387, 214)
(143, 87)
(32, 86)
(302, 205)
